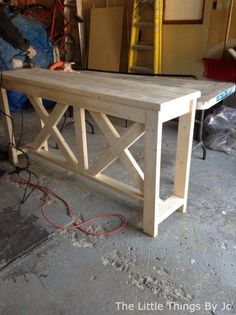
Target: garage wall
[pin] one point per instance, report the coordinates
(232, 33)
(218, 29)
(111, 3)
(184, 45)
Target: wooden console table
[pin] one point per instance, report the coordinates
(147, 104)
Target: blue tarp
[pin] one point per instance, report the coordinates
(38, 38)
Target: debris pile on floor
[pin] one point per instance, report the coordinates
(158, 284)
(118, 261)
(82, 240)
(162, 288)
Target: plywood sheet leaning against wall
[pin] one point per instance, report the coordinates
(106, 28)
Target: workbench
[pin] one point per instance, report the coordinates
(144, 101)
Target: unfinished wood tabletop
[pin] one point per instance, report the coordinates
(212, 92)
(142, 93)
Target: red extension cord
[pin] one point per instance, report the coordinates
(47, 192)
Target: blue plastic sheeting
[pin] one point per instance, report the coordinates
(38, 38)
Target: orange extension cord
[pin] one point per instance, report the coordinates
(47, 192)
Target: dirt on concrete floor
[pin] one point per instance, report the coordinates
(189, 268)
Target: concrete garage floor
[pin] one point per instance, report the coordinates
(189, 268)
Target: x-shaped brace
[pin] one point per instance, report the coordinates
(118, 148)
(50, 128)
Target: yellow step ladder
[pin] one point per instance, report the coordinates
(145, 54)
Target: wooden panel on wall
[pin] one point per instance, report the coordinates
(182, 10)
(106, 28)
(184, 47)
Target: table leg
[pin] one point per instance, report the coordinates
(201, 144)
(200, 134)
(7, 122)
(81, 138)
(183, 154)
(152, 165)
(40, 124)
